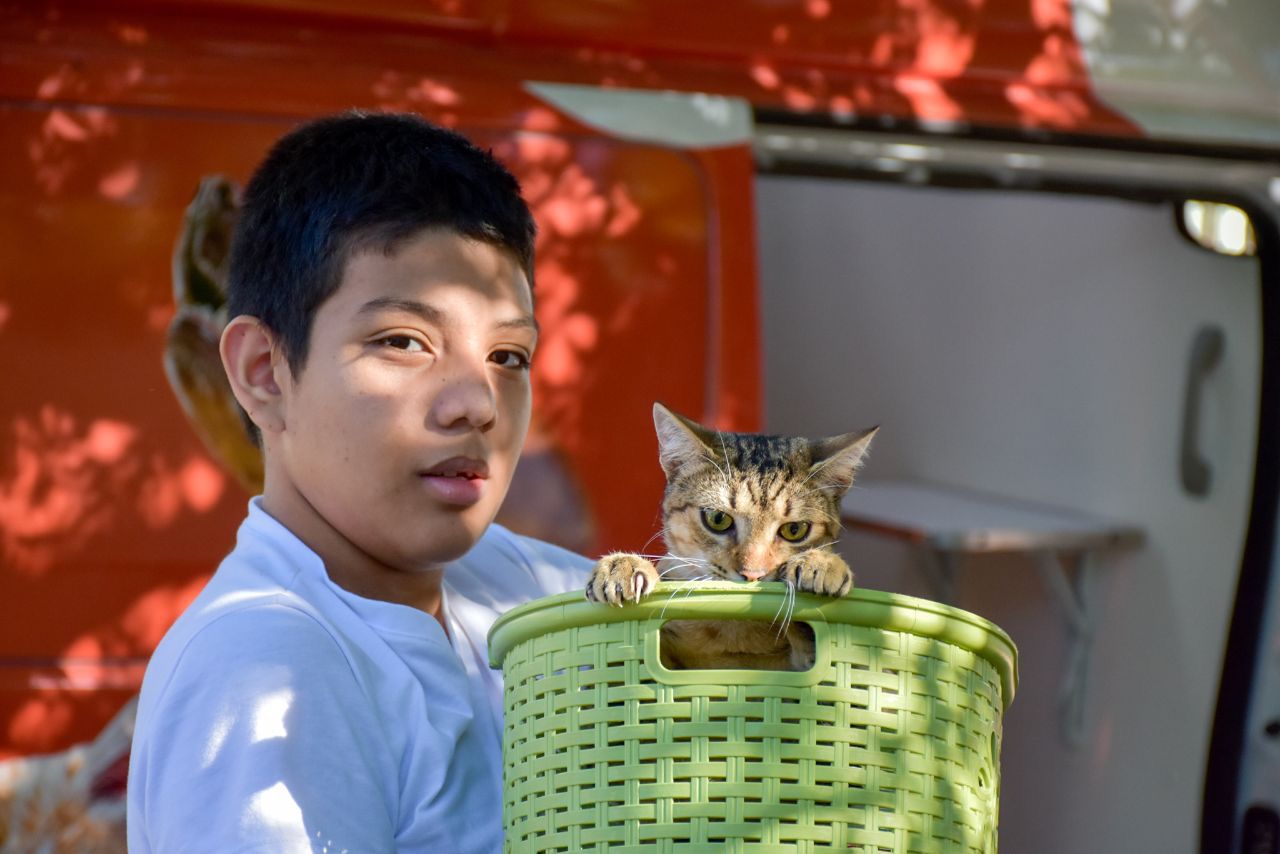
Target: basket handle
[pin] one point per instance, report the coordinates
(651, 631)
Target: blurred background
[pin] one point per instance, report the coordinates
(1035, 240)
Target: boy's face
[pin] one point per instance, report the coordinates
(403, 429)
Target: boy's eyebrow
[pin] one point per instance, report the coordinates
(431, 314)
(526, 321)
(426, 312)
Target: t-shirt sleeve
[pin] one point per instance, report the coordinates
(263, 740)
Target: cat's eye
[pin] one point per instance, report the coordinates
(717, 520)
(794, 532)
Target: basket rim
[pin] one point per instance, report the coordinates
(763, 600)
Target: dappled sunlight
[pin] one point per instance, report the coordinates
(131, 34)
(841, 106)
(59, 148)
(38, 716)
(799, 99)
(69, 127)
(120, 183)
(765, 75)
(817, 9)
(396, 91)
(112, 653)
(625, 215)
(928, 98)
(574, 207)
(268, 715)
(1040, 109)
(1051, 14)
(274, 806)
(539, 153)
(568, 335)
(168, 490)
(439, 94)
(539, 120)
(61, 486)
(945, 61)
(202, 483)
(68, 482)
(575, 211)
(407, 91)
(70, 140)
(945, 46)
(149, 616)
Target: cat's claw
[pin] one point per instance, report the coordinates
(621, 577)
(818, 571)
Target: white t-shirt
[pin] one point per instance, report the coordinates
(282, 713)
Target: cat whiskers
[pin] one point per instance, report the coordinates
(667, 556)
(819, 467)
(675, 563)
(662, 574)
(687, 589)
(725, 451)
(724, 475)
(659, 533)
(789, 606)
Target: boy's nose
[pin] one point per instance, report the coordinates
(464, 400)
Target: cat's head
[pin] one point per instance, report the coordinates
(737, 505)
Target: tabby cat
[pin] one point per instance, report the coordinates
(741, 507)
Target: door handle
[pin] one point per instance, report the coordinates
(1206, 353)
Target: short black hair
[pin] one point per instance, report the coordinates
(358, 181)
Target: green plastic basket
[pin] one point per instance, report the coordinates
(890, 743)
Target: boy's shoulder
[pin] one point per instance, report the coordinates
(264, 574)
(258, 595)
(518, 566)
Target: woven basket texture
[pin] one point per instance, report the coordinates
(891, 743)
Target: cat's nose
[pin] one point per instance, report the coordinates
(754, 574)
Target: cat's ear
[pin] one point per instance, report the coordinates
(837, 459)
(680, 440)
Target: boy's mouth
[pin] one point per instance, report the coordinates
(458, 480)
(464, 467)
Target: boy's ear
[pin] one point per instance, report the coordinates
(249, 350)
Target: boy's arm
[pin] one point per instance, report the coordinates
(262, 740)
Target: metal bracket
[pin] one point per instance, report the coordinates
(1074, 594)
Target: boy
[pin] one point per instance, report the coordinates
(329, 690)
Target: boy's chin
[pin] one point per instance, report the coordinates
(448, 542)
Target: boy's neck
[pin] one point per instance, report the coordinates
(351, 568)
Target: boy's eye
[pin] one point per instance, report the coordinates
(794, 532)
(510, 359)
(717, 520)
(402, 342)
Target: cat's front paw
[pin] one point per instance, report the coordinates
(818, 571)
(621, 577)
